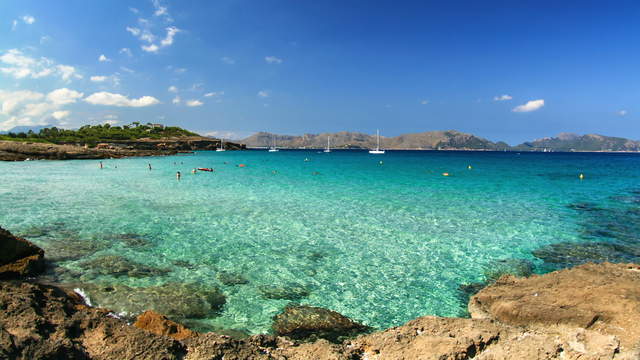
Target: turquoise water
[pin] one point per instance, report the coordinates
(380, 243)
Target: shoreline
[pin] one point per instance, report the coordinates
(583, 312)
(462, 150)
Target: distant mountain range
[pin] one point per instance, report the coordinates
(441, 140)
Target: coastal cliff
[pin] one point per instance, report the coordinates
(586, 312)
(20, 151)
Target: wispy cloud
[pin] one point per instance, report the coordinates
(176, 100)
(28, 19)
(424, 102)
(263, 93)
(273, 60)
(111, 99)
(227, 60)
(126, 51)
(143, 31)
(194, 103)
(103, 58)
(172, 89)
(29, 108)
(214, 94)
(622, 112)
(504, 97)
(16, 64)
(98, 78)
(532, 105)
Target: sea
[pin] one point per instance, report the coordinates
(382, 239)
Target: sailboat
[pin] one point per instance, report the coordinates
(377, 150)
(221, 148)
(273, 148)
(328, 149)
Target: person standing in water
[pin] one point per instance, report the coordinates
(178, 175)
(149, 166)
(100, 164)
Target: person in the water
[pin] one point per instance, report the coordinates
(178, 175)
(100, 164)
(149, 166)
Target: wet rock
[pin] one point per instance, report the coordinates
(310, 323)
(232, 278)
(568, 254)
(601, 297)
(158, 324)
(43, 322)
(175, 300)
(19, 257)
(290, 291)
(116, 265)
(516, 267)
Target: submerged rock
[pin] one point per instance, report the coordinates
(304, 322)
(232, 278)
(19, 257)
(567, 254)
(116, 265)
(584, 206)
(131, 239)
(517, 267)
(290, 291)
(176, 300)
(71, 248)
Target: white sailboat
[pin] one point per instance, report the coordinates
(221, 148)
(377, 150)
(273, 148)
(328, 149)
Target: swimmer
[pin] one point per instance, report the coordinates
(194, 171)
(306, 159)
(101, 165)
(315, 173)
(149, 166)
(274, 172)
(381, 162)
(178, 175)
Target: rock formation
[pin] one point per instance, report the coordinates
(19, 257)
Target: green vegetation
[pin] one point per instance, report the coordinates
(94, 134)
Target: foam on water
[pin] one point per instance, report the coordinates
(379, 243)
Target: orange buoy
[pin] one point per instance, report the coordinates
(242, 165)
(445, 174)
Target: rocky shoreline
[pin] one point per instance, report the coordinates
(585, 312)
(21, 151)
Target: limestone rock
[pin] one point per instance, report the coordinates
(310, 322)
(159, 324)
(19, 257)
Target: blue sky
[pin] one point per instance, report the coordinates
(504, 70)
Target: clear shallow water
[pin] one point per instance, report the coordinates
(382, 244)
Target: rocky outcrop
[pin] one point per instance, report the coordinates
(311, 323)
(600, 297)
(19, 257)
(158, 324)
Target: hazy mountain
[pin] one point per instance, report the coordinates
(25, 129)
(574, 142)
(352, 140)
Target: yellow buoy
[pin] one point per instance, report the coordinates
(581, 176)
(469, 167)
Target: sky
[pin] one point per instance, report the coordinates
(504, 70)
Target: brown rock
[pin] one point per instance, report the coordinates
(601, 297)
(19, 257)
(310, 322)
(158, 324)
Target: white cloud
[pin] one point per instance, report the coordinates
(153, 48)
(12, 100)
(111, 99)
(193, 103)
(227, 60)
(133, 30)
(172, 89)
(20, 66)
(532, 105)
(273, 60)
(168, 40)
(263, 93)
(14, 25)
(214, 94)
(126, 69)
(66, 72)
(161, 11)
(59, 115)
(176, 100)
(28, 19)
(126, 51)
(424, 102)
(45, 39)
(98, 78)
(622, 112)
(181, 70)
(134, 10)
(504, 97)
(64, 96)
(103, 58)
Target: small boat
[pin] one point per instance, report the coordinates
(377, 150)
(274, 148)
(221, 148)
(205, 169)
(328, 149)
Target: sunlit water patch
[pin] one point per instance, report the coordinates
(379, 242)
